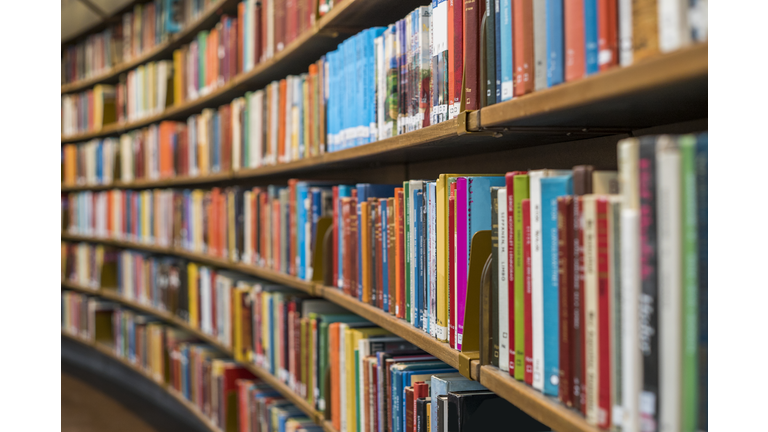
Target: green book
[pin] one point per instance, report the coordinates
(202, 38)
(521, 191)
(407, 224)
(690, 258)
(323, 367)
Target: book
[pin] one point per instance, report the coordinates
(478, 410)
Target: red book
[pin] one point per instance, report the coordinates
(582, 393)
(276, 236)
(334, 235)
(509, 184)
(410, 419)
(399, 253)
(565, 285)
(243, 410)
(232, 374)
(526, 209)
(280, 24)
(456, 56)
(233, 48)
(240, 28)
(225, 111)
(350, 243)
(522, 27)
(473, 12)
(575, 48)
(420, 390)
(607, 34)
(604, 404)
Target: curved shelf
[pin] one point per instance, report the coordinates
(205, 20)
(263, 374)
(662, 90)
(547, 410)
(105, 20)
(181, 399)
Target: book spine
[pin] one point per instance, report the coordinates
(555, 43)
(540, 43)
(674, 31)
(702, 228)
(456, 74)
(442, 190)
(591, 324)
(399, 254)
(520, 193)
(648, 306)
(407, 251)
(608, 33)
(537, 279)
(522, 27)
(490, 53)
(502, 318)
(439, 41)
(604, 318)
(645, 29)
(472, 15)
(573, 12)
(507, 77)
(527, 304)
(670, 281)
(690, 286)
(462, 251)
(591, 36)
(565, 286)
(495, 279)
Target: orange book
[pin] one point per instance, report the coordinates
(281, 121)
(293, 244)
(70, 164)
(240, 27)
(167, 129)
(522, 26)
(223, 225)
(276, 234)
(333, 353)
(575, 49)
(399, 257)
(265, 228)
(213, 57)
(607, 34)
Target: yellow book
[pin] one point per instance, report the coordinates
(177, 77)
(152, 75)
(192, 287)
(351, 339)
(202, 140)
(365, 246)
(443, 191)
(237, 336)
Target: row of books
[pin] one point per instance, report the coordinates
(360, 376)
(225, 392)
(140, 30)
(406, 250)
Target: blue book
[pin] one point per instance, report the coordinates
(353, 85)
(590, 36)
(398, 401)
(384, 257)
(419, 267)
(138, 218)
(332, 117)
(497, 62)
(406, 381)
(316, 208)
(702, 222)
(555, 68)
(361, 109)
(344, 191)
(302, 193)
(365, 191)
(100, 162)
(551, 188)
(480, 203)
(442, 384)
(506, 50)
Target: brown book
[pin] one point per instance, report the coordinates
(645, 29)
(582, 185)
(379, 254)
(473, 12)
(420, 390)
(279, 25)
(351, 247)
(391, 254)
(582, 179)
(565, 284)
(409, 417)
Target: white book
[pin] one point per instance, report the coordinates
(126, 158)
(192, 154)
(237, 141)
(205, 301)
(669, 220)
(625, 32)
(631, 361)
(503, 281)
(256, 140)
(673, 25)
(540, 57)
(590, 307)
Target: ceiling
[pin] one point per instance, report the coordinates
(80, 15)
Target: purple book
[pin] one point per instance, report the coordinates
(462, 254)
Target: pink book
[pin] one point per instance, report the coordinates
(509, 179)
(462, 254)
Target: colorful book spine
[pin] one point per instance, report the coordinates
(555, 43)
(507, 77)
(591, 37)
(521, 191)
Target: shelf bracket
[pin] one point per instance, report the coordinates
(465, 362)
(462, 122)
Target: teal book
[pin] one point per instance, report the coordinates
(551, 189)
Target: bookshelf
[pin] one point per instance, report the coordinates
(106, 351)
(642, 95)
(663, 90)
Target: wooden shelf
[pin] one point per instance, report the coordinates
(207, 19)
(263, 374)
(545, 409)
(666, 89)
(192, 408)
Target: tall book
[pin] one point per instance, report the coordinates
(565, 285)
(502, 318)
(555, 43)
(540, 42)
(456, 57)
(649, 294)
(670, 280)
(703, 225)
(590, 37)
(490, 52)
(439, 112)
(521, 192)
(522, 28)
(495, 337)
(472, 15)
(507, 71)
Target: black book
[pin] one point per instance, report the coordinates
(442, 413)
(239, 224)
(484, 410)
(490, 52)
(649, 318)
(423, 405)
